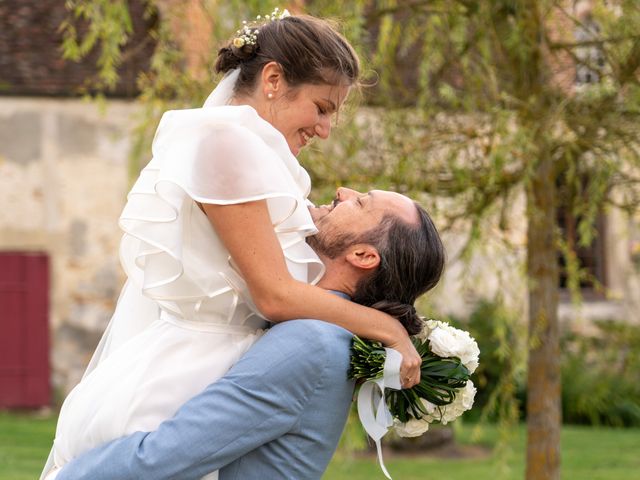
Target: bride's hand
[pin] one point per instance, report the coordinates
(411, 360)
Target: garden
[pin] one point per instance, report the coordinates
(515, 124)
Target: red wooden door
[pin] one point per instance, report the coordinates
(24, 330)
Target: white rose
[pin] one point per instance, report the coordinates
(462, 403)
(470, 356)
(427, 327)
(447, 341)
(433, 324)
(423, 335)
(412, 428)
(443, 342)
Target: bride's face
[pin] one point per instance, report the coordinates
(304, 112)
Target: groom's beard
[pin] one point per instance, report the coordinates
(328, 242)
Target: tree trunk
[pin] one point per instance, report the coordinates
(543, 380)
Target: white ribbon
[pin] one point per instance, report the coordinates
(372, 408)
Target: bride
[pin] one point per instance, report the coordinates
(214, 237)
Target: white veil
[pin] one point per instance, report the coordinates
(223, 93)
(134, 311)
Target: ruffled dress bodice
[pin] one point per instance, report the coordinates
(223, 155)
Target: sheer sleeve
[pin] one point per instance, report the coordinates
(223, 155)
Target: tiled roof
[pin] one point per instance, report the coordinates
(30, 54)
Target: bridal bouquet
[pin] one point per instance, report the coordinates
(449, 357)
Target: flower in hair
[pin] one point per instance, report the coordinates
(248, 35)
(277, 14)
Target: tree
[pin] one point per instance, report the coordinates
(481, 107)
(503, 73)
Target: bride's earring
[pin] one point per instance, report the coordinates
(270, 96)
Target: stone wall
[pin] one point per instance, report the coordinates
(31, 61)
(63, 181)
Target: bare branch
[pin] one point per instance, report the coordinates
(591, 43)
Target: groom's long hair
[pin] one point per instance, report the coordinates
(412, 259)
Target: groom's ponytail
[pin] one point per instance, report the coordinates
(406, 314)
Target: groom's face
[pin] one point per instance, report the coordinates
(352, 214)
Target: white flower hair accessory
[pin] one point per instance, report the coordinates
(248, 35)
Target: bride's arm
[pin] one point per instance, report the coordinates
(247, 233)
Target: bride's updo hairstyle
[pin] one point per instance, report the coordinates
(309, 50)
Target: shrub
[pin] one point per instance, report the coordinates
(600, 371)
(601, 376)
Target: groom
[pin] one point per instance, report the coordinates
(279, 412)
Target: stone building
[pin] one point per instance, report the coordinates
(63, 180)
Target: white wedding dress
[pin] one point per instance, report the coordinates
(184, 316)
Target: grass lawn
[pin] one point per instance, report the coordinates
(25, 441)
(587, 454)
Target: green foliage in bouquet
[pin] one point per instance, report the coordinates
(439, 377)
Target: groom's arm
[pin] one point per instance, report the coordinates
(260, 399)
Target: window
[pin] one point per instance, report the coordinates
(590, 58)
(591, 258)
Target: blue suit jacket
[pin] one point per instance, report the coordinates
(277, 414)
